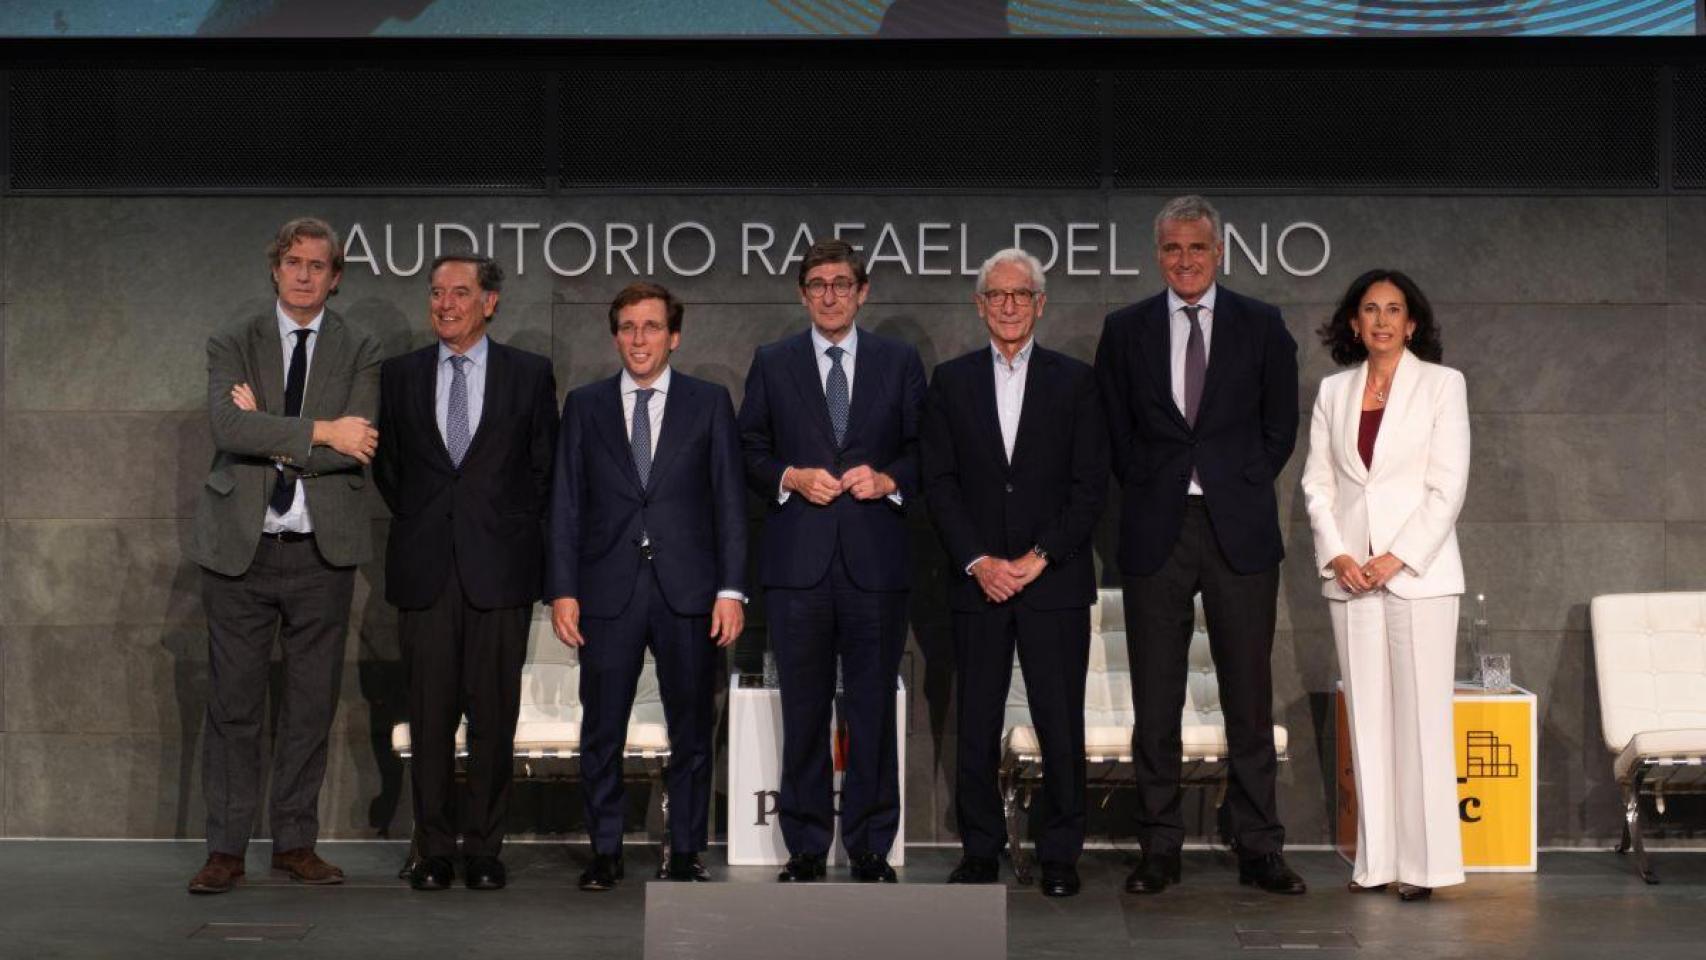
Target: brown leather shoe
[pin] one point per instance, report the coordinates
(305, 866)
(220, 873)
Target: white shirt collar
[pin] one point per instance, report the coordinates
(286, 324)
(1206, 301)
(476, 354)
(849, 343)
(1019, 359)
(661, 384)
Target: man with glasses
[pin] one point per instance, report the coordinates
(647, 550)
(1200, 389)
(830, 428)
(1015, 472)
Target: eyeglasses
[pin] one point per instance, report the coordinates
(1019, 298)
(843, 286)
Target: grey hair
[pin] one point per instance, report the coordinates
(1012, 255)
(1188, 207)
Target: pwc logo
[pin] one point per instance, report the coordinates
(1484, 758)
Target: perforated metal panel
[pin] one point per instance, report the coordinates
(1688, 169)
(231, 129)
(791, 127)
(1588, 127)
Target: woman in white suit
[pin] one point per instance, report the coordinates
(1387, 469)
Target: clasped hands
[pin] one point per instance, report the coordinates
(728, 619)
(821, 487)
(1002, 580)
(1365, 577)
(351, 436)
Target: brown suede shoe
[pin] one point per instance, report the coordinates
(305, 866)
(220, 873)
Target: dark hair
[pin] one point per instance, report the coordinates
(641, 290)
(832, 251)
(305, 228)
(1336, 333)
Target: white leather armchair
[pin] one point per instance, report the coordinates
(1650, 655)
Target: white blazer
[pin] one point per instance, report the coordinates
(1407, 502)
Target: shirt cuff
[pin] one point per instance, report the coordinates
(731, 595)
(783, 493)
(896, 499)
(975, 561)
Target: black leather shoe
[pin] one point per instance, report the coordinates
(1059, 879)
(484, 873)
(872, 868)
(1153, 873)
(686, 867)
(1271, 874)
(1410, 893)
(604, 873)
(1355, 887)
(976, 870)
(803, 868)
(432, 873)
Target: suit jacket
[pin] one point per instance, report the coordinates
(693, 506)
(1048, 496)
(1406, 502)
(1246, 428)
(249, 445)
(784, 422)
(486, 517)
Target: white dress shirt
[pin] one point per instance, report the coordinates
(820, 347)
(1179, 326)
(1010, 390)
(296, 519)
(474, 372)
(654, 413)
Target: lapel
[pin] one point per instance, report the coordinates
(869, 383)
(985, 410)
(267, 360)
(1156, 339)
(334, 339)
(607, 421)
(1223, 346)
(425, 403)
(1038, 385)
(802, 364)
(678, 409)
(1397, 407)
(1350, 423)
(492, 400)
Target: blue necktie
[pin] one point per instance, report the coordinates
(284, 491)
(640, 437)
(835, 392)
(456, 421)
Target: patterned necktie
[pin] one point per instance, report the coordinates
(835, 392)
(284, 492)
(640, 437)
(456, 421)
(1196, 364)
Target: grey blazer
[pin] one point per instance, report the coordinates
(343, 380)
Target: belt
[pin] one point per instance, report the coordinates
(288, 536)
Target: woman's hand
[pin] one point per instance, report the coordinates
(1350, 576)
(1381, 569)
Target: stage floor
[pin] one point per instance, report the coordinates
(127, 899)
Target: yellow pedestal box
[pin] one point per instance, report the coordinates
(1496, 746)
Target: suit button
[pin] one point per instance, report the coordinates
(1009, 488)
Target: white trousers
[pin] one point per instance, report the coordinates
(1397, 657)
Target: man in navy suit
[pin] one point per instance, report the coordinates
(647, 549)
(1200, 388)
(466, 432)
(830, 427)
(1015, 472)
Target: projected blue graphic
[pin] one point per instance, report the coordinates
(848, 18)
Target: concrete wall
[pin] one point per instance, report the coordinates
(1580, 323)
